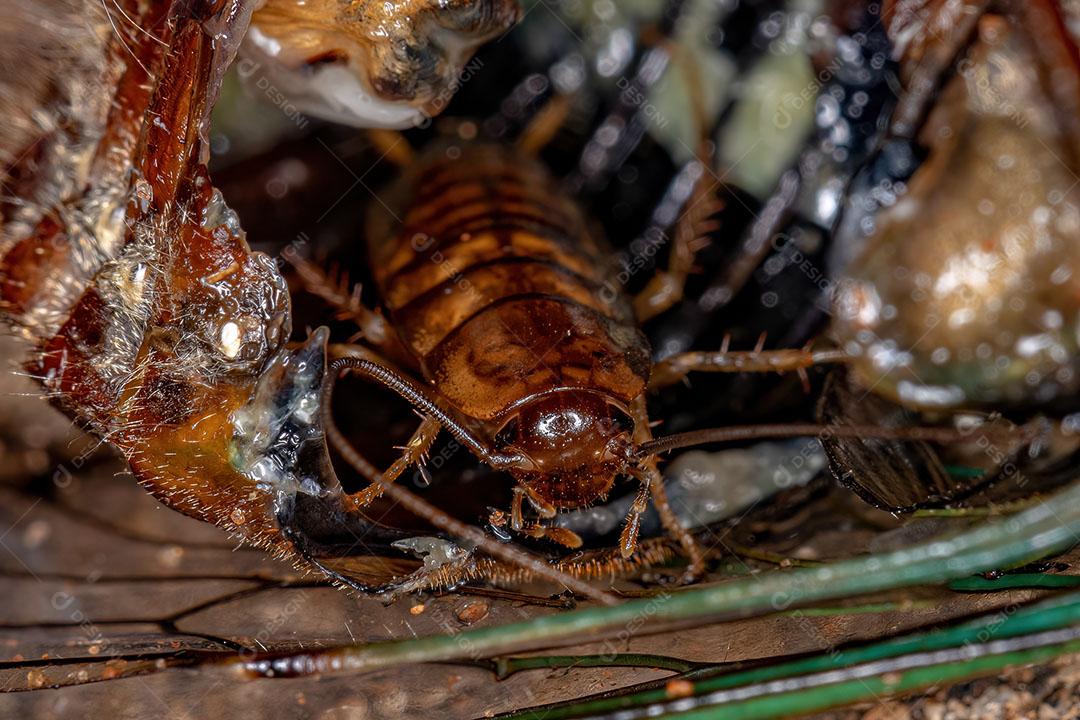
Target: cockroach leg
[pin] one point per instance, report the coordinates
(543, 126)
(417, 505)
(629, 536)
(414, 452)
(517, 518)
(666, 287)
(652, 479)
(673, 369)
(694, 225)
(392, 146)
(334, 289)
(562, 536)
(542, 506)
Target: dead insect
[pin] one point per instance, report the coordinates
(150, 321)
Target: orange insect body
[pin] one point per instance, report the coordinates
(493, 284)
(150, 320)
(149, 316)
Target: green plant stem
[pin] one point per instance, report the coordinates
(1014, 581)
(869, 688)
(504, 667)
(1039, 618)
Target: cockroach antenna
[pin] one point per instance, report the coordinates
(744, 433)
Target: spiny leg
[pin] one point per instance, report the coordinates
(675, 368)
(334, 289)
(565, 537)
(695, 223)
(651, 478)
(666, 287)
(692, 229)
(543, 126)
(412, 454)
(421, 399)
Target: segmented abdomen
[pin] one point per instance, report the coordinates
(495, 285)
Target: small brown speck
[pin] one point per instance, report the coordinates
(472, 612)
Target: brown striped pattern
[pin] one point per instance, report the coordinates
(493, 282)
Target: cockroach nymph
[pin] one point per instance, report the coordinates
(495, 289)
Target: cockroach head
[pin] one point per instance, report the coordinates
(569, 445)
